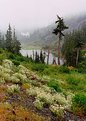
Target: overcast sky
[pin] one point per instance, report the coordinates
(37, 13)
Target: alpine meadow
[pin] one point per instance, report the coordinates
(42, 60)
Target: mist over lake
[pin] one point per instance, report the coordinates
(30, 54)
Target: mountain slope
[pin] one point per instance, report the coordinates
(43, 37)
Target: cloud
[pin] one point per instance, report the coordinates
(37, 13)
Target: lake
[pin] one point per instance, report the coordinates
(30, 54)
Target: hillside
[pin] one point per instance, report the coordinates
(37, 92)
(44, 36)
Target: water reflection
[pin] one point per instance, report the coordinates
(31, 52)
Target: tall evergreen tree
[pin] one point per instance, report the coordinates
(37, 60)
(16, 44)
(73, 43)
(78, 44)
(9, 42)
(3, 42)
(59, 31)
(12, 44)
(0, 41)
(68, 50)
(48, 54)
(47, 49)
(33, 56)
(42, 58)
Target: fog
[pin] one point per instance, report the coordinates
(32, 14)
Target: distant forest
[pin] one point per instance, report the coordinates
(9, 41)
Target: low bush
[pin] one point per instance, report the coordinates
(63, 69)
(72, 81)
(20, 77)
(17, 63)
(26, 86)
(57, 110)
(39, 67)
(54, 85)
(79, 104)
(38, 104)
(2, 81)
(7, 64)
(13, 88)
(14, 79)
(45, 97)
(60, 99)
(11, 56)
(19, 58)
(50, 70)
(31, 91)
(82, 63)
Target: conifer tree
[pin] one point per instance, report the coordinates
(37, 60)
(33, 56)
(0, 41)
(16, 44)
(12, 44)
(59, 31)
(9, 42)
(72, 46)
(42, 58)
(3, 42)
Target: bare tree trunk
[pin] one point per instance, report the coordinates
(33, 56)
(59, 49)
(54, 61)
(48, 55)
(77, 56)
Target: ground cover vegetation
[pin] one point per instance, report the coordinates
(35, 91)
(39, 91)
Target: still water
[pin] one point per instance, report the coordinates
(30, 54)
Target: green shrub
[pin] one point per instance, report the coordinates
(63, 69)
(57, 111)
(82, 66)
(1, 50)
(47, 71)
(7, 64)
(79, 104)
(20, 77)
(82, 70)
(14, 79)
(31, 91)
(50, 70)
(18, 58)
(38, 104)
(17, 63)
(11, 56)
(54, 84)
(13, 88)
(72, 81)
(2, 81)
(39, 67)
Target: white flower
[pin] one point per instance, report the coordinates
(46, 88)
(38, 104)
(1, 67)
(13, 88)
(14, 79)
(21, 77)
(6, 77)
(31, 91)
(2, 80)
(57, 110)
(7, 63)
(60, 99)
